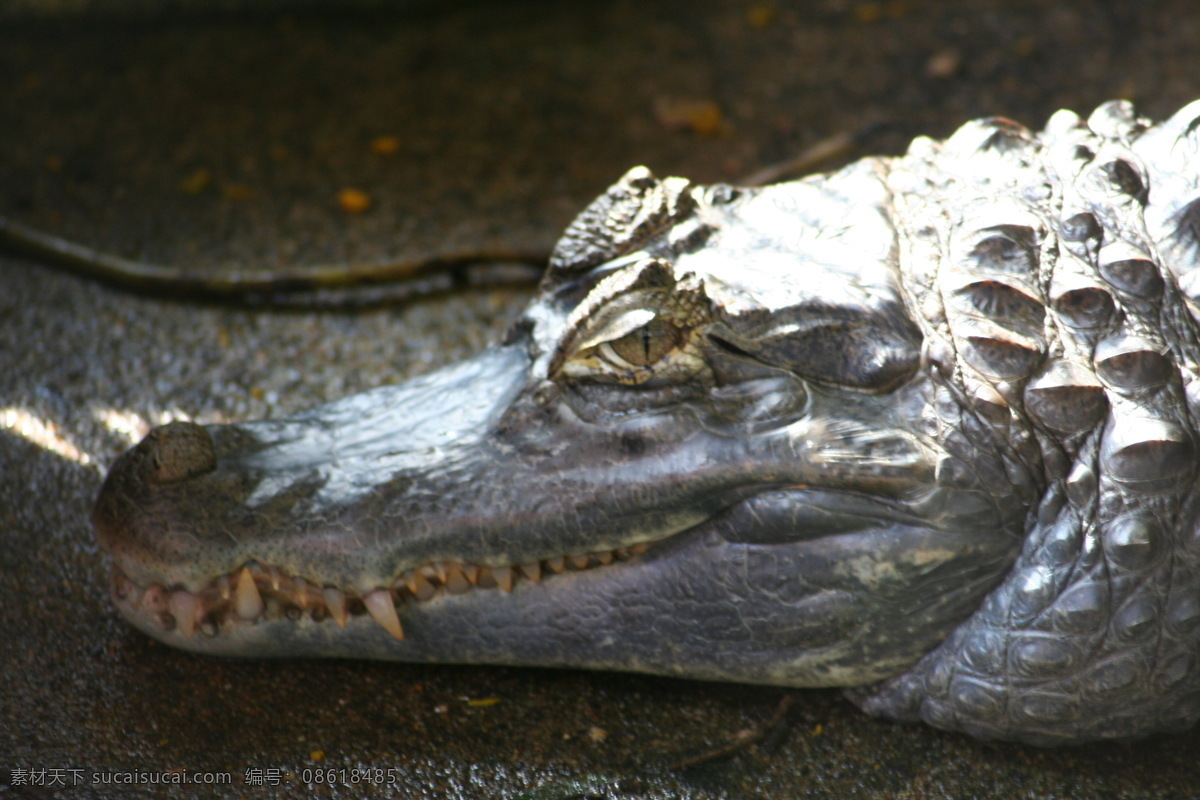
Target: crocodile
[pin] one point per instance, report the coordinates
(924, 427)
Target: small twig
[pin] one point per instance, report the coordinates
(742, 739)
(778, 725)
(257, 287)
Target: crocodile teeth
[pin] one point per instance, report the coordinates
(183, 606)
(503, 576)
(248, 603)
(383, 610)
(456, 581)
(300, 592)
(259, 591)
(485, 579)
(335, 601)
(419, 585)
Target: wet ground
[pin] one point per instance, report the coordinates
(222, 139)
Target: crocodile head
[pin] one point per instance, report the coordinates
(922, 421)
(706, 448)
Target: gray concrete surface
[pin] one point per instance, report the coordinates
(220, 139)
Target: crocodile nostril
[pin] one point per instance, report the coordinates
(178, 450)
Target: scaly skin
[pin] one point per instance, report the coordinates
(924, 427)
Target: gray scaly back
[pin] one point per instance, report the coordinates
(1049, 274)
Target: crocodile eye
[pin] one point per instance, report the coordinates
(637, 327)
(639, 348)
(644, 346)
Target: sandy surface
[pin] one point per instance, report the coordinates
(220, 141)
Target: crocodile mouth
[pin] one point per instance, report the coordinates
(837, 587)
(455, 520)
(257, 592)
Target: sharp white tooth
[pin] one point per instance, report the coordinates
(379, 604)
(248, 603)
(456, 582)
(275, 577)
(503, 576)
(335, 601)
(471, 573)
(556, 564)
(225, 587)
(183, 608)
(579, 562)
(532, 571)
(639, 548)
(604, 558)
(300, 592)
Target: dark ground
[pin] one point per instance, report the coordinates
(220, 140)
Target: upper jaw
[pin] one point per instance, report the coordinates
(307, 494)
(405, 490)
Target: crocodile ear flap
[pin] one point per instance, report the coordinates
(631, 212)
(872, 355)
